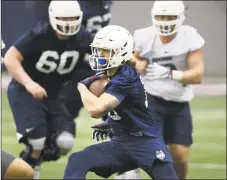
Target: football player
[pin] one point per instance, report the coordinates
(136, 140)
(41, 61)
(170, 58)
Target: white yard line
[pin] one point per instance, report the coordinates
(210, 89)
(206, 166)
(209, 147)
(205, 132)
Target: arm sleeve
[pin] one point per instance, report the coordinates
(117, 90)
(26, 43)
(196, 40)
(143, 41)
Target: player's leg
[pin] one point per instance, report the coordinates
(162, 170)
(153, 157)
(178, 136)
(104, 159)
(29, 117)
(62, 131)
(81, 162)
(15, 168)
(157, 112)
(180, 154)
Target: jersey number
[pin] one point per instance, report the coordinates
(166, 61)
(48, 62)
(94, 24)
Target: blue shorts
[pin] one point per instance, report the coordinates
(174, 120)
(37, 118)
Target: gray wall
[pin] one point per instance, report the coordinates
(208, 17)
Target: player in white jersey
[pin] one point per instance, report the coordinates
(170, 58)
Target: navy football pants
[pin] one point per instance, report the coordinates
(38, 118)
(107, 158)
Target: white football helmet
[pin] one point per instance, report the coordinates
(116, 39)
(65, 9)
(168, 8)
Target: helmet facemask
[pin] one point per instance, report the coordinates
(100, 63)
(65, 27)
(166, 28)
(167, 16)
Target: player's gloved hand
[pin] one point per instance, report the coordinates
(87, 82)
(101, 131)
(156, 71)
(35, 89)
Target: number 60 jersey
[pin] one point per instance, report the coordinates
(172, 55)
(50, 61)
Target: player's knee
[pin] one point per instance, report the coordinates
(32, 153)
(74, 156)
(77, 167)
(37, 144)
(65, 142)
(80, 158)
(76, 160)
(19, 169)
(28, 172)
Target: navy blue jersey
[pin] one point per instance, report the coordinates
(132, 115)
(50, 61)
(96, 14)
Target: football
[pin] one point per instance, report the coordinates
(98, 86)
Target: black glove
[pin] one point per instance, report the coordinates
(101, 131)
(87, 82)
